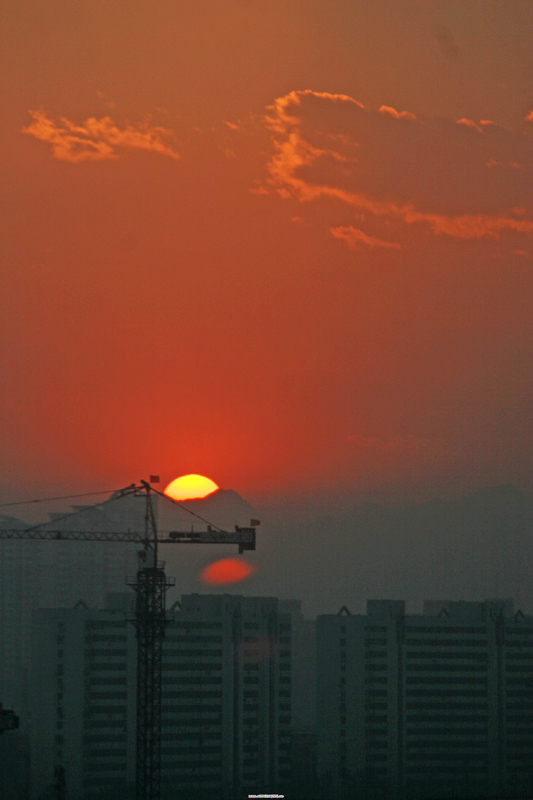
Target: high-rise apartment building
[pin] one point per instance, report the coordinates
(426, 703)
(303, 701)
(83, 693)
(226, 711)
(227, 695)
(51, 574)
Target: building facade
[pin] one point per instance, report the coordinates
(426, 704)
(40, 574)
(227, 695)
(83, 698)
(226, 711)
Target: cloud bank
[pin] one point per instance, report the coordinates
(97, 139)
(390, 168)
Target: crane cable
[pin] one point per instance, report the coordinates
(49, 499)
(82, 510)
(188, 510)
(91, 494)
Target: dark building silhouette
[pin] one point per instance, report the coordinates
(47, 574)
(426, 705)
(227, 683)
(408, 706)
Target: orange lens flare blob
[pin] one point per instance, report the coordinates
(227, 570)
(190, 487)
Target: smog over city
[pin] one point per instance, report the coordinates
(266, 487)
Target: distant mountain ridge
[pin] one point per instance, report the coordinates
(468, 548)
(493, 508)
(224, 508)
(477, 545)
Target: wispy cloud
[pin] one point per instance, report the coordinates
(401, 170)
(469, 123)
(391, 112)
(97, 139)
(354, 237)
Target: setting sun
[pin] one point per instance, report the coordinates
(190, 487)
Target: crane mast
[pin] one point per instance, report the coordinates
(150, 585)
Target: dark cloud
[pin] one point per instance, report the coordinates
(447, 44)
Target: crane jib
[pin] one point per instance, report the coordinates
(244, 536)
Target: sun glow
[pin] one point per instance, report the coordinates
(227, 570)
(190, 487)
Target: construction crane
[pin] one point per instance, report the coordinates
(150, 585)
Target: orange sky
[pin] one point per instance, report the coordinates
(287, 245)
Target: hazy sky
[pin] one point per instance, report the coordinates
(283, 243)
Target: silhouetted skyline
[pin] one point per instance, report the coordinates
(288, 247)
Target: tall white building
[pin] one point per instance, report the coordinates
(226, 714)
(432, 702)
